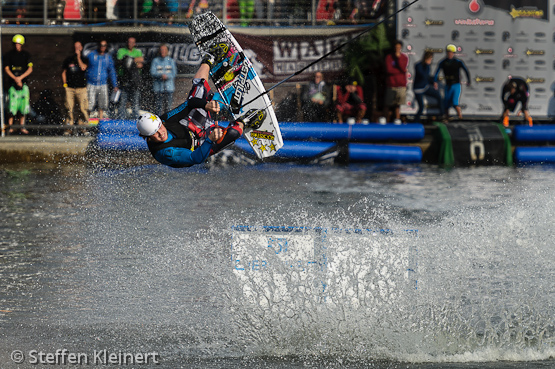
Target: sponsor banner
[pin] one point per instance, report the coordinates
(497, 39)
(180, 46)
(277, 57)
(273, 57)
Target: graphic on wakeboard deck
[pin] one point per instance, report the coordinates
(237, 82)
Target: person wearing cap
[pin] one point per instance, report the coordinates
(187, 135)
(396, 65)
(350, 102)
(18, 66)
(451, 68)
(515, 91)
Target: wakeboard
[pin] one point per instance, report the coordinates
(237, 83)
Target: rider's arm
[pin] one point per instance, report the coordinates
(179, 156)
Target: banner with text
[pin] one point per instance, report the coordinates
(496, 39)
(277, 57)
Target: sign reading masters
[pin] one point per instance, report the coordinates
(497, 39)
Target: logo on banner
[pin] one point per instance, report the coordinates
(484, 51)
(535, 52)
(474, 6)
(484, 79)
(430, 22)
(526, 13)
(434, 50)
(535, 80)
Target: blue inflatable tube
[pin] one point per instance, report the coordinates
(299, 150)
(310, 131)
(384, 153)
(536, 133)
(293, 149)
(535, 155)
(120, 142)
(118, 127)
(357, 132)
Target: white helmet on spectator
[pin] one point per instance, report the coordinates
(148, 124)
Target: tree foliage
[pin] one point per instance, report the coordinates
(367, 53)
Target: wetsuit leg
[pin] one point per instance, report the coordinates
(432, 92)
(456, 94)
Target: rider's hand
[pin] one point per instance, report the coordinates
(212, 106)
(216, 134)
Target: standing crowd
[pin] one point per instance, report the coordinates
(346, 102)
(86, 81)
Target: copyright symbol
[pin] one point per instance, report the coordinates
(18, 357)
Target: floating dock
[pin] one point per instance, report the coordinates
(453, 144)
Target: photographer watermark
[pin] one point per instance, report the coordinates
(100, 357)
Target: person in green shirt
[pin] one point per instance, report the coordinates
(130, 65)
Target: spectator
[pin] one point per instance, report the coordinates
(18, 66)
(173, 8)
(315, 98)
(75, 84)
(130, 64)
(246, 11)
(350, 102)
(14, 9)
(423, 85)
(163, 71)
(326, 10)
(155, 9)
(124, 9)
(197, 7)
(101, 69)
(515, 91)
(396, 65)
(451, 67)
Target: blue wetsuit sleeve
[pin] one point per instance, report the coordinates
(466, 71)
(178, 156)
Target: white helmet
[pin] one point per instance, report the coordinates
(148, 124)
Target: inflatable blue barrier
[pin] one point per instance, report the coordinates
(384, 153)
(310, 131)
(536, 133)
(122, 135)
(293, 149)
(357, 132)
(120, 142)
(357, 152)
(118, 127)
(535, 155)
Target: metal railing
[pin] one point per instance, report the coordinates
(253, 12)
